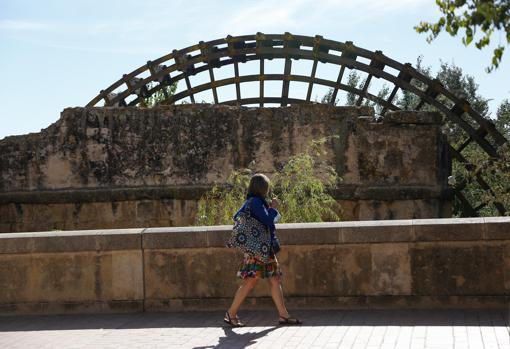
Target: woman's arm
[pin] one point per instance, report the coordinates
(238, 211)
(263, 214)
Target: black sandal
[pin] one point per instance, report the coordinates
(289, 321)
(229, 320)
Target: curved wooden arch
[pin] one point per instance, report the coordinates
(204, 57)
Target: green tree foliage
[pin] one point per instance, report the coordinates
(484, 16)
(159, 96)
(328, 98)
(408, 100)
(496, 172)
(219, 204)
(382, 94)
(454, 80)
(354, 80)
(503, 119)
(463, 86)
(302, 185)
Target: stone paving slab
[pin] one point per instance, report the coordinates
(396, 329)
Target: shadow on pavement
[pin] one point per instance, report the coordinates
(238, 340)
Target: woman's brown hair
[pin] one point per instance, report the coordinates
(259, 185)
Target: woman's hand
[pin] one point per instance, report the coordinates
(274, 203)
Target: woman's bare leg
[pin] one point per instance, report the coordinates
(277, 294)
(241, 293)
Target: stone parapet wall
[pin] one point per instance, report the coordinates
(426, 263)
(130, 167)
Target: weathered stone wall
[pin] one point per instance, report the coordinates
(401, 263)
(131, 167)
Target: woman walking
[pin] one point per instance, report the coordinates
(252, 269)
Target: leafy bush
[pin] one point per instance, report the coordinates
(302, 186)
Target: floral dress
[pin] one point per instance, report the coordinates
(255, 268)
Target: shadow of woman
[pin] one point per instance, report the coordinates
(237, 340)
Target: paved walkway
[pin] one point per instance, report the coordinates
(321, 329)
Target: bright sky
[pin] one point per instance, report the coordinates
(57, 54)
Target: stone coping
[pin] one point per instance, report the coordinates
(69, 241)
(350, 232)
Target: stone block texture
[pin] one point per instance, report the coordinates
(129, 167)
(411, 264)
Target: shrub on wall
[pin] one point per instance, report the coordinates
(302, 185)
